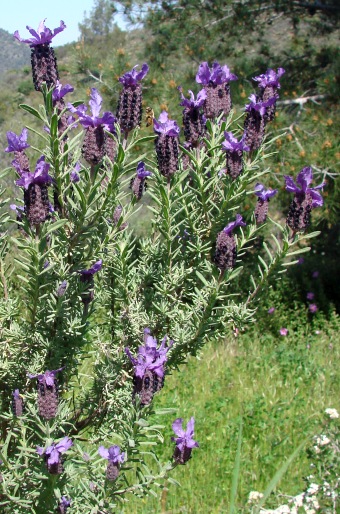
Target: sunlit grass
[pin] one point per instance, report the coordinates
(280, 387)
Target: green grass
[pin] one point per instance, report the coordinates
(279, 386)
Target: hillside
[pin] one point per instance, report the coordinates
(13, 55)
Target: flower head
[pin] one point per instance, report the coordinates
(232, 144)
(233, 224)
(107, 120)
(64, 504)
(112, 454)
(215, 75)
(41, 36)
(283, 331)
(271, 310)
(40, 175)
(150, 357)
(303, 180)
(17, 143)
(263, 193)
(165, 126)
(332, 413)
(270, 78)
(193, 103)
(310, 296)
(131, 78)
(52, 454)
(184, 440)
(142, 173)
(259, 105)
(313, 308)
(48, 377)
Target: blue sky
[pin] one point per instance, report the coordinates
(16, 14)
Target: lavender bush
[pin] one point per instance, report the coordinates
(84, 301)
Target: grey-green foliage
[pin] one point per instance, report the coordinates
(166, 281)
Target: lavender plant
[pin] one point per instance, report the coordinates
(81, 292)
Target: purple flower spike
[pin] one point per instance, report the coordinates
(17, 143)
(305, 199)
(304, 179)
(270, 78)
(47, 387)
(42, 35)
(226, 251)
(131, 78)
(115, 458)
(233, 224)
(149, 366)
(263, 193)
(53, 453)
(138, 183)
(165, 126)
(184, 440)
(271, 310)
(216, 84)
(166, 143)
(217, 75)
(193, 118)
(234, 153)
(94, 144)
(129, 108)
(40, 175)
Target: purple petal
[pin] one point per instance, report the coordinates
(304, 178)
(190, 427)
(64, 445)
(290, 185)
(95, 102)
(40, 450)
(203, 74)
(317, 198)
(177, 427)
(233, 224)
(103, 452)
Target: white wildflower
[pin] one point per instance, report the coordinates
(312, 489)
(322, 440)
(254, 496)
(298, 500)
(332, 413)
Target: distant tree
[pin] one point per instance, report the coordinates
(205, 27)
(99, 22)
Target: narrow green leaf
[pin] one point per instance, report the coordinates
(56, 225)
(31, 110)
(236, 471)
(300, 250)
(277, 477)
